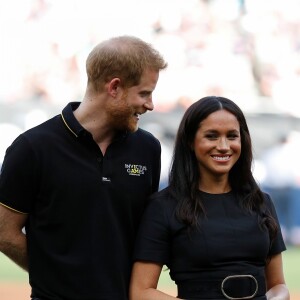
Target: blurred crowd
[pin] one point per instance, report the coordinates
(280, 177)
(246, 50)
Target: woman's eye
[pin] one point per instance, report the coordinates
(211, 136)
(233, 136)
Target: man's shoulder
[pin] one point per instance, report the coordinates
(42, 134)
(146, 137)
(41, 129)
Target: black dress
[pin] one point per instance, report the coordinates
(230, 242)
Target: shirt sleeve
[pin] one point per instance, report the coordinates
(278, 244)
(153, 239)
(18, 176)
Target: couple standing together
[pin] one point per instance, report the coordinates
(80, 211)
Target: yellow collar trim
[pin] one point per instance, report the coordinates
(68, 125)
(10, 208)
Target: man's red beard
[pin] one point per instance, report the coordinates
(121, 115)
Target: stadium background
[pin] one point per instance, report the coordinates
(246, 50)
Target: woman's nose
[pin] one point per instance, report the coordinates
(223, 144)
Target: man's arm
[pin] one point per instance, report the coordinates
(12, 239)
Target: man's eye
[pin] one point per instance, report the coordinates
(145, 94)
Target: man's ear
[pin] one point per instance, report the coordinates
(113, 87)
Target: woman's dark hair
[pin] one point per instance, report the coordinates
(185, 175)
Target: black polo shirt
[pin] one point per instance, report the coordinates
(84, 208)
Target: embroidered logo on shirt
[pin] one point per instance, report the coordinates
(105, 179)
(135, 170)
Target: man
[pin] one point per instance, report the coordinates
(78, 183)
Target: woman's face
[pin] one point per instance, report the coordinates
(217, 143)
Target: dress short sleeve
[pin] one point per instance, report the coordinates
(278, 244)
(153, 238)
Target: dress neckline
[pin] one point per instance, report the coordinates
(216, 194)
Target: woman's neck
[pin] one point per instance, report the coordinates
(215, 186)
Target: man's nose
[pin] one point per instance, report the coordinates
(149, 104)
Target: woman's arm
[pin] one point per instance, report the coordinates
(277, 289)
(144, 280)
(12, 239)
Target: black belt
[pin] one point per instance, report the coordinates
(231, 287)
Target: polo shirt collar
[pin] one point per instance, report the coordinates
(70, 121)
(74, 126)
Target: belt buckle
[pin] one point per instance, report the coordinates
(239, 276)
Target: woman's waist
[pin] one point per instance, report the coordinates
(224, 286)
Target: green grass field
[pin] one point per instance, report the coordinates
(9, 272)
(291, 262)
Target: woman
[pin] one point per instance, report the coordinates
(212, 226)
